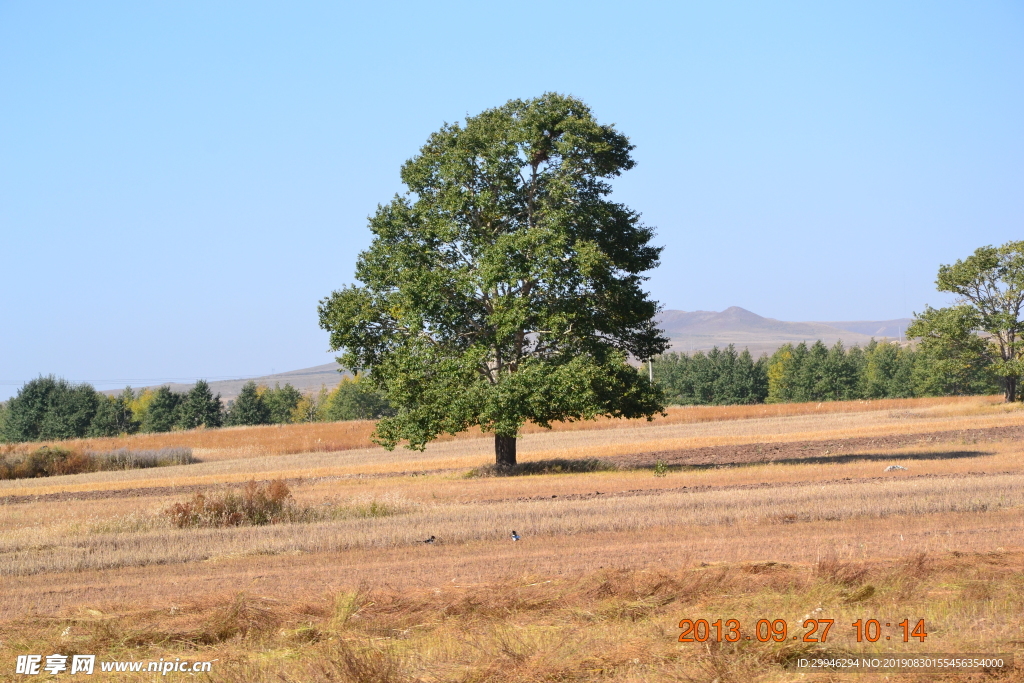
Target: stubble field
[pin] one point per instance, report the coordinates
(746, 513)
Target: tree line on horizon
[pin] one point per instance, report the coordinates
(51, 408)
(803, 373)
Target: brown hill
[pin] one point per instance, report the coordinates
(702, 330)
(306, 379)
(689, 331)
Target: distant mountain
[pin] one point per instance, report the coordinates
(307, 379)
(702, 330)
(894, 329)
(688, 330)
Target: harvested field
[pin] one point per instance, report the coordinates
(747, 517)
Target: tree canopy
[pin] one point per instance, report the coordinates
(505, 286)
(200, 408)
(989, 286)
(249, 408)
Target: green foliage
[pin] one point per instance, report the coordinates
(162, 412)
(249, 408)
(200, 408)
(104, 421)
(984, 328)
(802, 374)
(504, 287)
(114, 415)
(125, 420)
(720, 377)
(887, 371)
(312, 407)
(954, 359)
(281, 402)
(818, 373)
(356, 399)
(48, 408)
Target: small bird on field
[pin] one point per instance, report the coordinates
(430, 540)
(515, 536)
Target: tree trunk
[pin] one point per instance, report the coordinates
(504, 450)
(1010, 393)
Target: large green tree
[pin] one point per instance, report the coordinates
(505, 287)
(984, 326)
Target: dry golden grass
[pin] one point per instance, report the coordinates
(609, 562)
(339, 436)
(609, 624)
(134, 540)
(238, 465)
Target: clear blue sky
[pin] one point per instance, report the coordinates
(180, 183)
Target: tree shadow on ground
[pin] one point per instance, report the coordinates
(821, 460)
(553, 466)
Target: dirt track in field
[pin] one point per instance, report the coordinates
(831, 451)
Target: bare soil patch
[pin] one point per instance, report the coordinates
(824, 451)
(831, 451)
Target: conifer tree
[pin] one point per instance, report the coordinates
(162, 412)
(200, 408)
(249, 408)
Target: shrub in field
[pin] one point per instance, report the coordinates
(124, 459)
(256, 504)
(45, 462)
(51, 462)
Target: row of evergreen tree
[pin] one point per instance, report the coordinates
(50, 408)
(814, 373)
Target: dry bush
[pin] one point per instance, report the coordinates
(917, 566)
(259, 504)
(256, 505)
(126, 459)
(342, 662)
(335, 662)
(55, 461)
(836, 571)
(46, 462)
(243, 618)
